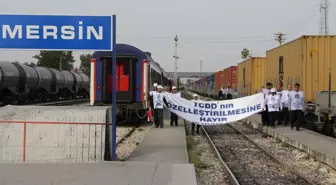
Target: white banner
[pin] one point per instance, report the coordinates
(215, 112)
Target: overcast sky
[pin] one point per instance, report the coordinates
(214, 31)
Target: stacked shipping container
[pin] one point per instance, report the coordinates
(211, 85)
(230, 76)
(251, 75)
(306, 60)
(218, 80)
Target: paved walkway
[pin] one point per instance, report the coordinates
(317, 145)
(164, 147)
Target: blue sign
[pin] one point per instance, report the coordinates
(56, 32)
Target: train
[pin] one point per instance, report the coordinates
(136, 72)
(209, 86)
(308, 60)
(22, 84)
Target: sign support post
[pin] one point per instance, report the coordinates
(114, 92)
(63, 33)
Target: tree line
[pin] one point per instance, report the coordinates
(61, 60)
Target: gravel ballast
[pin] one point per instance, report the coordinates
(247, 162)
(307, 166)
(126, 147)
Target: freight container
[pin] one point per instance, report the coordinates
(210, 88)
(218, 81)
(203, 86)
(306, 60)
(230, 77)
(251, 75)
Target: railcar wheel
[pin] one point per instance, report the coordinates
(310, 123)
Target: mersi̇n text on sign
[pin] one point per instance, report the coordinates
(64, 32)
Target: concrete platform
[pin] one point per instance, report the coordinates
(52, 133)
(167, 148)
(102, 173)
(322, 148)
(161, 159)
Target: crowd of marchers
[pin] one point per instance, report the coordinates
(157, 103)
(282, 106)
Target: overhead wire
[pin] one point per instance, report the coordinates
(192, 38)
(304, 22)
(232, 42)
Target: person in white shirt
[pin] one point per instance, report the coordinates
(150, 98)
(195, 99)
(273, 103)
(228, 93)
(174, 117)
(285, 104)
(279, 93)
(264, 115)
(296, 103)
(158, 106)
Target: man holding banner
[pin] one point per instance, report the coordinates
(264, 114)
(158, 97)
(214, 112)
(150, 100)
(174, 117)
(273, 102)
(195, 99)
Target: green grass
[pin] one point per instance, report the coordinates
(194, 156)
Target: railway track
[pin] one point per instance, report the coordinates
(130, 129)
(66, 102)
(57, 103)
(246, 162)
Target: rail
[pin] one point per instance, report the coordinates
(59, 102)
(232, 177)
(65, 102)
(274, 158)
(84, 133)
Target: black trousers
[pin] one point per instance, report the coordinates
(285, 115)
(158, 117)
(173, 118)
(280, 117)
(264, 116)
(193, 128)
(296, 118)
(229, 96)
(273, 117)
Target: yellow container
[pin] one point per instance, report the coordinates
(251, 75)
(306, 60)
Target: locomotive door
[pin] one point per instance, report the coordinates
(124, 78)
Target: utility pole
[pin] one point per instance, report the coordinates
(324, 26)
(280, 37)
(176, 57)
